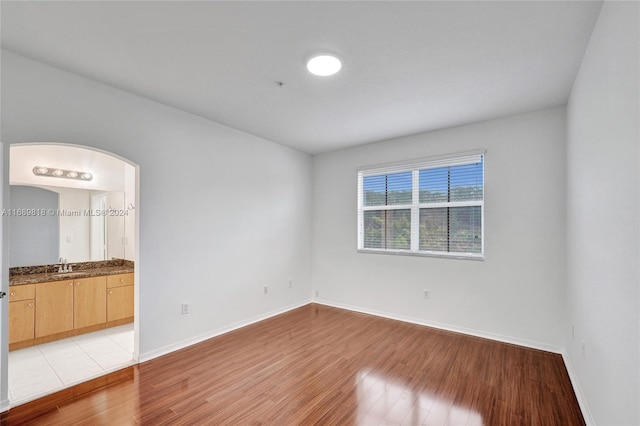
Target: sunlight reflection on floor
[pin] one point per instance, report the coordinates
(387, 402)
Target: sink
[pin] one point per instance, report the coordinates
(67, 274)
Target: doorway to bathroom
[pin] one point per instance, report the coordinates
(73, 274)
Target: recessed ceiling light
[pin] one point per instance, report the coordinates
(324, 65)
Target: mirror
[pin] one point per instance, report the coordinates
(80, 225)
(33, 238)
(65, 213)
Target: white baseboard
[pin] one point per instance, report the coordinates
(577, 389)
(456, 329)
(213, 333)
(4, 405)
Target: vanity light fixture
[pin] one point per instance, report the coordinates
(324, 65)
(62, 173)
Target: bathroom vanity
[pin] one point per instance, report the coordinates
(47, 305)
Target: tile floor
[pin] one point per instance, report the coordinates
(43, 369)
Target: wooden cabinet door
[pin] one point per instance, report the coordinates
(89, 302)
(54, 307)
(119, 303)
(21, 320)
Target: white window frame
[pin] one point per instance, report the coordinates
(414, 166)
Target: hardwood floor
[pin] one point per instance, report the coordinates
(325, 366)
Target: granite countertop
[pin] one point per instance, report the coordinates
(46, 273)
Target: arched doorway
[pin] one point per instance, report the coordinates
(97, 234)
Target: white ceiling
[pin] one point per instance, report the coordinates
(408, 67)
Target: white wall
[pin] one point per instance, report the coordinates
(130, 218)
(108, 171)
(603, 218)
(222, 213)
(515, 293)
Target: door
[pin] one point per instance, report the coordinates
(4, 279)
(99, 227)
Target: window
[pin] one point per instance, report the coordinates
(432, 207)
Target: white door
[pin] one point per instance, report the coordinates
(98, 227)
(4, 279)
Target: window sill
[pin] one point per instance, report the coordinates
(461, 256)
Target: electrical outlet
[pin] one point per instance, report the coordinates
(584, 348)
(426, 294)
(290, 283)
(317, 293)
(185, 308)
(266, 289)
(573, 331)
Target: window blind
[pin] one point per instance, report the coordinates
(426, 207)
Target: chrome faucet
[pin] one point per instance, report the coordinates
(64, 266)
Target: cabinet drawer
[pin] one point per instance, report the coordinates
(119, 280)
(22, 292)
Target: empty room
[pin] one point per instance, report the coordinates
(319, 212)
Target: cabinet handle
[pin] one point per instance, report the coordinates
(110, 291)
(71, 283)
(30, 304)
(77, 283)
(121, 279)
(13, 293)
